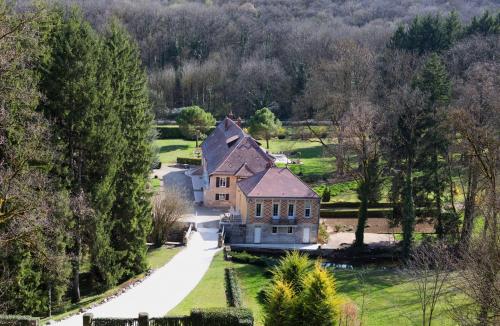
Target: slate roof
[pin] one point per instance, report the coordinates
(228, 147)
(276, 182)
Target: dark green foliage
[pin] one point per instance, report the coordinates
(233, 290)
(131, 210)
(189, 160)
(325, 196)
(169, 132)
(264, 124)
(194, 122)
(15, 320)
(486, 24)
(428, 33)
(222, 317)
(246, 258)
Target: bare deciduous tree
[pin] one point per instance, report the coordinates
(168, 208)
(430, 267)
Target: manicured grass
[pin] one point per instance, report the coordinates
(156, 258)
(160, 256)
(311, 155)
(170, 149)
(155, 183)
(209, 293)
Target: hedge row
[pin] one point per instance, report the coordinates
(173, 132)
(330, 213)
(17, 320)
(354, 205)
(188, 160)
(246, 258)
(222, 317)
(233, 290)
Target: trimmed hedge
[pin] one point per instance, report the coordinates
(222, 317)
(188, 160)
(246, 258)
(169, 132)
(354, 205)
(17, 320)
(330, 213)
(233, 290)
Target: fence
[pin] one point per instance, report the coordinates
(198, 317)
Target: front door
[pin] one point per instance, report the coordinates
(306, 233)
(257, 233)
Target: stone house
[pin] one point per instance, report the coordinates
(266, 204)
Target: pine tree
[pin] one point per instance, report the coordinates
(434, 82)
(76, 81)
(131, 210)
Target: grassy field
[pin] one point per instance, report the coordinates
(389, 297)
(170, 149)
(156, 258)
(210, 292)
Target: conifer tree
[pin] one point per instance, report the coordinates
(131, 210)
(76, 82)
(433, 81)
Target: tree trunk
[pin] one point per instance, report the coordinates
(267, 143)
(76, 270)
(469, 206)
(408, 219)
(362, 216)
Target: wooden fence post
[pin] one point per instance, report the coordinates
(143, 319)
(87, 319)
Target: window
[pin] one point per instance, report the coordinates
(222, 182)
(276, 210)
(307, 209)
(290, 230)
(258, 210)
(291, 210)
(275, 230)
(221, 196)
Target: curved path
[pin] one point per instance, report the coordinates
(165, 287)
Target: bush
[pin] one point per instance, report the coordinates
(323, 234)
(169, 132)
(222, 317)
(325, 197)
(246, 258)
(233, 290)
(17, 320)
(188, 160)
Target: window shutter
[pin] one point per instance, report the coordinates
(216, 196)
(217, 182)
(227, 182)
(227, 196)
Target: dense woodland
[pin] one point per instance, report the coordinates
(409, 91)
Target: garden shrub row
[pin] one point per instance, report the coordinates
(354, 205)
(189, 160)
(222, 317)
(233, 290)
(246, 258)
(173, 132)
(18, 320)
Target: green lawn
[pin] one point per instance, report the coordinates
(170, 149)
(389, 297)
(210, 292)
(156, 258)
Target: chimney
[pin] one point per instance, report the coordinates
(226, 123)
(238, 122)
(230, 115)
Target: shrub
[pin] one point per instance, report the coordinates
(325, 197)
(17, 320)
(279, 304)
(168, 132)
(233, 290)
(188, 160)
(246, 258)
(323, 234)
(222, 317)
(292, 268)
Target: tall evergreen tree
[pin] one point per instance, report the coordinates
(433, 80)
(131, 210)
(76, 82)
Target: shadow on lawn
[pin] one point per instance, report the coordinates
(170, 148)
